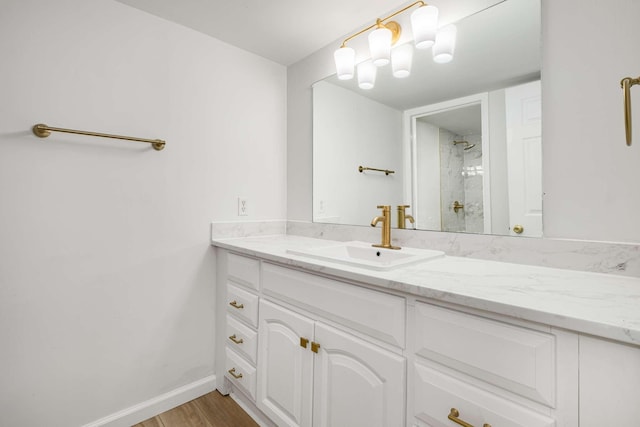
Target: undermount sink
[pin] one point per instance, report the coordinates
(363, 255)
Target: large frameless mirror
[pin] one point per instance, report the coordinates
(459, 142)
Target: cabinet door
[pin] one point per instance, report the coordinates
(285, 368)
(356, 383)
(609, 383)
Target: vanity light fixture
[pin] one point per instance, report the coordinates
(380, 41)
(401, 59)
(367, 75)
(445, 44)
(424, 25)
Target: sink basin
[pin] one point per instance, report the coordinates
(363, 255)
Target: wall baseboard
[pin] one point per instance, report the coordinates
(149, 408)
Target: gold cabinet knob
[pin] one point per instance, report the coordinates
(518, 229)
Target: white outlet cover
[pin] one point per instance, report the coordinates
(243, 206)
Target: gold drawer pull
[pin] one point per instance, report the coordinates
(235, 304)
(314, 346)
(232, 371)
(236, 340)
(304, 342)
(453, 416)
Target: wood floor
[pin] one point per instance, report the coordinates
(210, 410)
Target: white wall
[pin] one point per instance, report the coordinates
(498, 161)
(589, 175)
(106, 273)
(364, 133)
(427, 143)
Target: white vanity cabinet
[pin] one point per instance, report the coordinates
(334, 346)
(609, 383)
(242, 281)
(286, 366)
(356, 383)
(487, 372)
(312, 373)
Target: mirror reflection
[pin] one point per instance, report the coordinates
(448, 153)
(460, 145)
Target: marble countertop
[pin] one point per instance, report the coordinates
(603, 305)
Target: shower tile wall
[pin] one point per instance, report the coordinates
(472, 174)
(451, 181)
(461, 180)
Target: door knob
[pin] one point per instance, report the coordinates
(518, 229)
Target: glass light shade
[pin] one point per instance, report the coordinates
(401, 58)
(366, 75)
(380, 46)
(424, 24)
(445, 44)
(345, 58)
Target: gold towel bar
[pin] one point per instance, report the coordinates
(626, 84)
(386, 171)
(43, 131)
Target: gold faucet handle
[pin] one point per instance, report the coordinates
(386, 210)
(403, 217)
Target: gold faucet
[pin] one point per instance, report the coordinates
(386, 227)
(403, 217)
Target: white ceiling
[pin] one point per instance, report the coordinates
(501, 44)
(284, 31)
(460, 121)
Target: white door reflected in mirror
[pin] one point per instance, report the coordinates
(524, 154)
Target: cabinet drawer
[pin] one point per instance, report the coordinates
(436, 394)
(514, 358)
(242, 339)
(244, 271)
(242, 304)
(241, 373)
(377, 314)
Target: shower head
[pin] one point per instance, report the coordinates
(468, 146)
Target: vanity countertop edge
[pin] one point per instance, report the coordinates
(598, 304)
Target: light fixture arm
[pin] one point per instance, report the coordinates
(380, 22)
